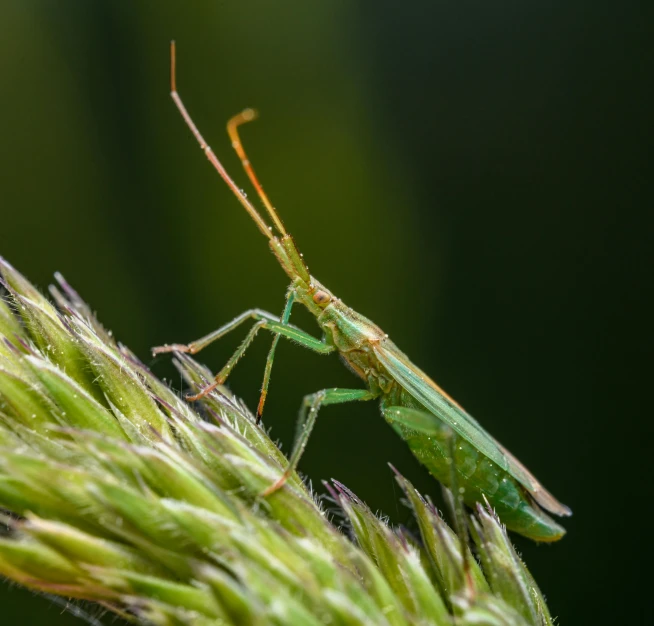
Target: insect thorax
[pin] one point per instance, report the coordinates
(355, 337)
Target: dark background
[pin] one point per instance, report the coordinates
(473, 176)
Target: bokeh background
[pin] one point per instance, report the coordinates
(474, 176)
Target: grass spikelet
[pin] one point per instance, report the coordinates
(117, 491)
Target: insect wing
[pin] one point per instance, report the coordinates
(423, 389)
(432, 397)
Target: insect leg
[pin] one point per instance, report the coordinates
(195, 346)
(276, 327)
(306, 421)
(280, 329)
(422, 421)
(286, 314)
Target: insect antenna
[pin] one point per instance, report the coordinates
(213, 159)
(248, 115)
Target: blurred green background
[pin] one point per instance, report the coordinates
(473, 176)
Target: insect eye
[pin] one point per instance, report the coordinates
(321, 298)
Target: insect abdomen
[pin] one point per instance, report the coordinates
(476, 476)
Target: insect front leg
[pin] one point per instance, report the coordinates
(286, 315)
(195, 346)
(263, 320)
(307, 419)
(280, 330)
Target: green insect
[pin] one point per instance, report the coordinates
(430, 421)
